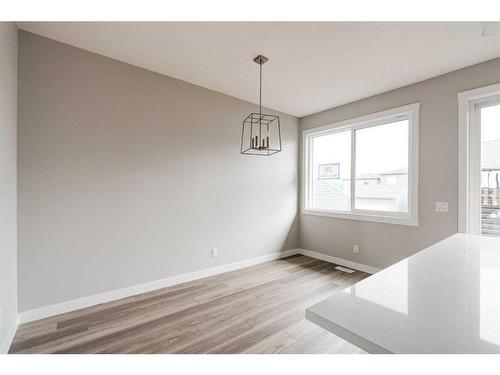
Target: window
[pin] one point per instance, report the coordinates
(488, 121)
(364, 169)
(478, 166)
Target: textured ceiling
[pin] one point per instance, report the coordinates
(312, 65)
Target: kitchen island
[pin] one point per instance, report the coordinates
(443, 299)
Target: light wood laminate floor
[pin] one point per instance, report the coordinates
(259, 309)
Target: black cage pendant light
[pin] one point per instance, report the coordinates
(261, 133)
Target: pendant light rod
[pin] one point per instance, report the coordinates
(260, 90)
(261, 60)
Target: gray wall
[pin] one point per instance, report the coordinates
(381, 245)
(127, 176)
(8, 183)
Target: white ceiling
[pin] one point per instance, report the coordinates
(313, 66)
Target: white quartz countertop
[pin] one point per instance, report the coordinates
(444, 299)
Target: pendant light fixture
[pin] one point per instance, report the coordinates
(261, 133)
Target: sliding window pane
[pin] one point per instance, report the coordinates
(382, 167)
(331, 171)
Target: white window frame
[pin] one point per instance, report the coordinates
(410, 112)
(469, 155)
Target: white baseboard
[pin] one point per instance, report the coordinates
(339, 261)
(80, 303)
(6, 342)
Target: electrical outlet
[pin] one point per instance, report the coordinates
(441, 206)
(355, 249)
(215, 252)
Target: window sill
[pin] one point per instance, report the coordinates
(363, 217)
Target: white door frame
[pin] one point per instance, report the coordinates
(469, 156)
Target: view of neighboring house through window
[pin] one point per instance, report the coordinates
(361, 168)
(490, 170)
(331, 183)
(382, 167)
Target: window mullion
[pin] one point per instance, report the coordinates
(309, 170)
(353, 167)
